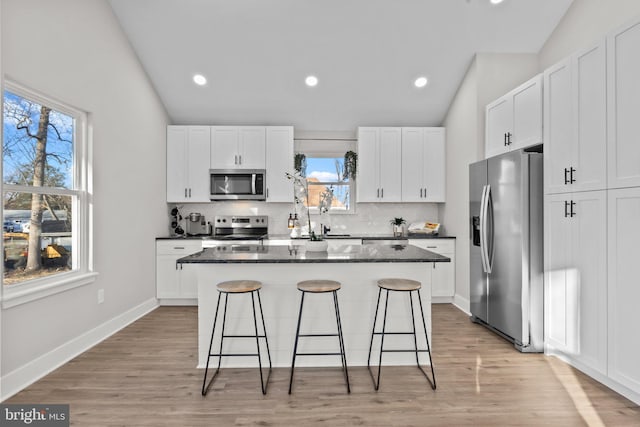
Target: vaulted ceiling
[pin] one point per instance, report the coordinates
(366, 54)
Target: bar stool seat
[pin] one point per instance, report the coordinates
(400, 285)
(237, 287)
(319, 287)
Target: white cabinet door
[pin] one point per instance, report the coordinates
(498, 123)
(172, 281)
(188, 164)
(558, 130)
(368, 188)
(423, 163)
(589, 119)
(526, 129)
(577, 277)
(561, 288)
(590, 260)
(624, 291)
(279, 161)
(514, 121)
(623, 107)
(224, 147)
(413, 164)
(177, 182)
(251, 147)
(198, 157)
(390, 165)
(443, 274)
(434, 165)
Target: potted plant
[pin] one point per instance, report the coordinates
(397, 224)
(350, 164)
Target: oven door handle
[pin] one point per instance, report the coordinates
(253, 183)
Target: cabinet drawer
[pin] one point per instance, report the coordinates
(439, 246)
(178, 247)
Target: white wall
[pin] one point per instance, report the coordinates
(74, 51)
(489, 76)
(585, 22)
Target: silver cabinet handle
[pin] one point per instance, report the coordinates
(240, 157)
(425, 192)
(189, 192)
(421, 193)
(235, 159)
(178, 247)
(185, 193)
(267, 193)
(378, 193)
(382, 193)
(432, 247)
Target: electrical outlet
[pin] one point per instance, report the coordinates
(100, 296)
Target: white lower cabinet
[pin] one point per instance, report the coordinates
(443, 274)
(175, 285)
(624, 287)
(576, 277)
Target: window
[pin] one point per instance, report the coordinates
(45, 203)
(326, 175)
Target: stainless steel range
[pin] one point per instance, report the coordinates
(233, 229)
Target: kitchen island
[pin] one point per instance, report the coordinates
(279, 268)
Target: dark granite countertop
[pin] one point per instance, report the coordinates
(357, 236)
(256, 254)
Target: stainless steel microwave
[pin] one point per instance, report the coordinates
(237, 184)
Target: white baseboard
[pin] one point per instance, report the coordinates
(177, 301)
(463, 304)
(598, 376)
(442, 300)
(31, 372)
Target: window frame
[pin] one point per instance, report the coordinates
(81, 194)
(314, 210)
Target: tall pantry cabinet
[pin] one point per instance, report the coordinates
(592, 209)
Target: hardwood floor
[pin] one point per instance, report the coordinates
(145, 375)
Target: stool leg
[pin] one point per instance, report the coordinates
(224, 322)
(384, 324)
(375, 319)
(413, 324)
(343, 354)
(295, 345)
(424, 324)
(205, 387)
(264, 328)
(263, 386)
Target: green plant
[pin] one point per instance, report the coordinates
(300, 164)
(398, 221)
(350, 164)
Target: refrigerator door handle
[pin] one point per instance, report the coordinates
(489, 227)
(483, 218)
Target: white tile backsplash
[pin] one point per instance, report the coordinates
(370, 218)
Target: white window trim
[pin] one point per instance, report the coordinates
(82, 226)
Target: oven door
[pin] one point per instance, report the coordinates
(237, 184)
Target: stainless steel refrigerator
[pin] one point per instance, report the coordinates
(506, 262)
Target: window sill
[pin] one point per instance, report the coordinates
(15, 295)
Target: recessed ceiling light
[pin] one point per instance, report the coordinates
(420, 82)
(496, 1)
(311, 81)
(199, 79)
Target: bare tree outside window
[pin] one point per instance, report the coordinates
(37, 167)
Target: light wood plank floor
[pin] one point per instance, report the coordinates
(145, 375)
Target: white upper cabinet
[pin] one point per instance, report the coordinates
(188, 164)
(423, 164)
(379, 165)
(238, 147)
(575, 123)
(279, 161)
(623, 48)
(515, 120)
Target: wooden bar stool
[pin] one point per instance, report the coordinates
(238, 287)
(399, 285)
(316, 287)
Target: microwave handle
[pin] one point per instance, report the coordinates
(253, 183)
